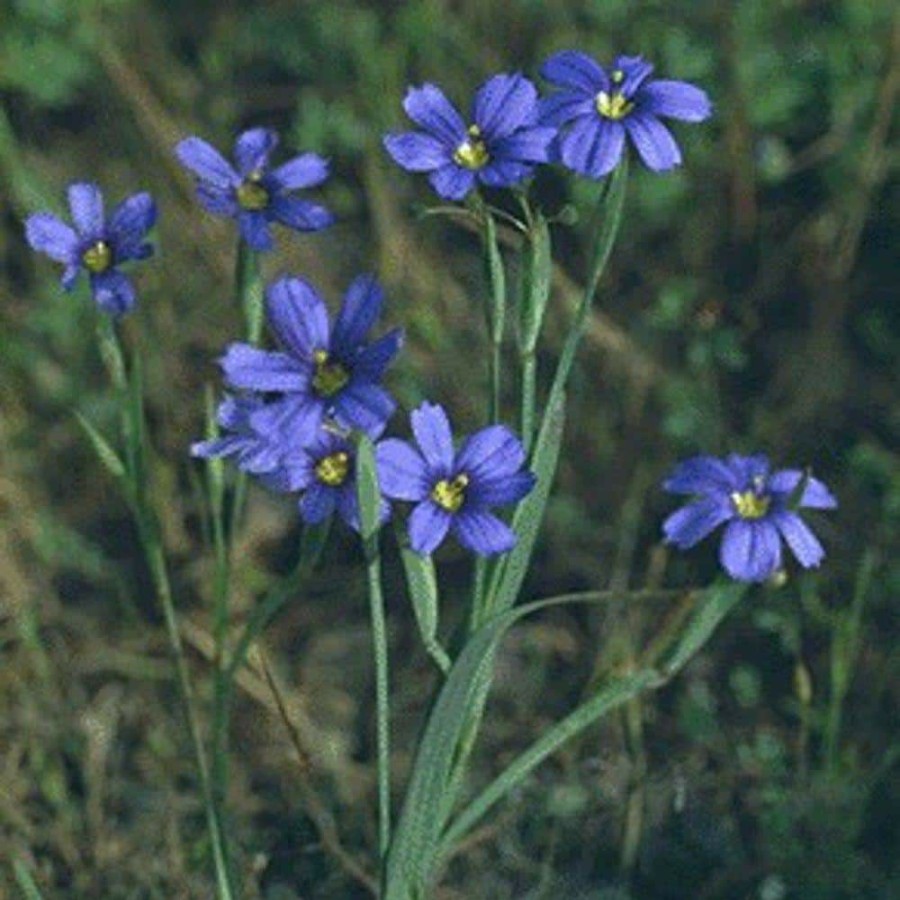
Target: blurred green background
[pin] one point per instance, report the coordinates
(751, 305)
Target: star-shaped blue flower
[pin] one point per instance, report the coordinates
(96, 245)
(454, 490)
(322, 370)
(756, 505)
(595, 110)
(498, 147)
(249, 192)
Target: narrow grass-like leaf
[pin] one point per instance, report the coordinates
(537, 273)
(423, 592)
(368, 492)
(107, 455)
(27, 884)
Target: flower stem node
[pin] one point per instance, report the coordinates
(332, 470)
(451, 494)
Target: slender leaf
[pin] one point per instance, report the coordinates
(423, 591)
(107, 455)
(368, 492)
(537, 274)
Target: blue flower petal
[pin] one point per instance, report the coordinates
(751, 550)
(503, 104)
(504, 173)
(528, 145)
(492, 453)
(815, 496)
(690, 524)
(418, 152)
(402, 473)
(129, 223)
(297, 315)
(298, 470)
(364, 406)
(252, 150)
(255, 231)
(562, 107)
(358, 313)
(702, 475)
(483, 533)
(653, 141)
(86, 206)
(676, 100)
(747, 469)
(592, 146)
(803, 543)
(219, 201)
(429, 108)
(371, 362)
(301, 215)
(216, 447)
(262, 370)
(50, 235)
(70, 275)
(113, 292)
(635, 71)
(432, 432)
(452, 182)
(304, 171)
(318, 503)
(295, 419)
(207, 163)
(500, 491)
(428, 526)
(574, 69)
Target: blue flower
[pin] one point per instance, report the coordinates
(756, 504)
(96, 245)
(454, 490)
(322, 370)
(499, 148)
(251, 194)
(595, 111)
(325, 471)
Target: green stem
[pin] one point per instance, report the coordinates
(529, 398)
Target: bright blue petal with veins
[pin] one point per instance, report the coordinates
(128, 225)
(218, 201)
(562, 107)
(493, 452)
(364, 406)
(501, 173)
(318, 503)
(50, 235)
(676, 100)
(500, 491)
(452, 182)
(263, 370)
(690, 524)
(304, 171)
(113, 292)
(295, 419)
(297, 315)
(207, 163)
(803, 543)
(432, 431)
(703, 475)
(402, 473)
(636, 72)
(86, 206)
(527, 145)
(571, 68)
(252, 150)
(430, 109)
(301, 215)
(428, 526)
(370, 363)
(751, 550)
(653, 141)
(503, 104)
(358, 313)
(255, 231)
(418, 152)
(592, 146)
(483, 533)
(815, 496)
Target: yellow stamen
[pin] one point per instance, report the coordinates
(251, 195)
(472, 152)
(750, 505)
(613, 106)
(98, 258)
(450, 495)
(329, 377)
(332, 470)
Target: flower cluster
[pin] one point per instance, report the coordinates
(583, 125)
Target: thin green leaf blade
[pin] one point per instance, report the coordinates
(367, 490)
(423, 592)
(106, 454)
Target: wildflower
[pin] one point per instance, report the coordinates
(454, 490)
(595, 111)
(253, 451)
(325, 471)
(322, 370)
(96, 245)
(249, 192)
(758, 506)
(499, 148)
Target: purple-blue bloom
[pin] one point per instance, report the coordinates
(454, 490)
(96, 244)
(322, 369)
(498, 147)
(249, 192)
(757, 506)
(595, 110)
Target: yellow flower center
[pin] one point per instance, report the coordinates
(750, 505)
(332, 470)
(98, 258)
(613, 106)
(450, 495)
(251, 195)
(472, 152)
(329, 377)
